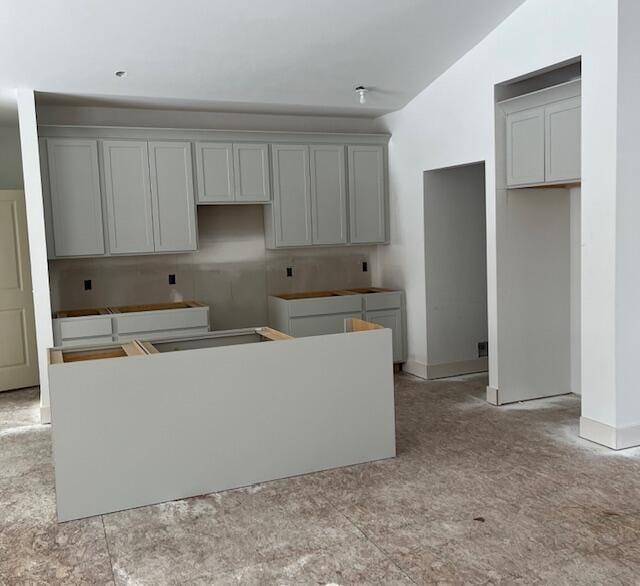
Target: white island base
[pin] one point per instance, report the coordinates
(187, 417)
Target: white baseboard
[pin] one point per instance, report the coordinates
(45, 414)
(415, 368)
(616, 438)
(446, 369)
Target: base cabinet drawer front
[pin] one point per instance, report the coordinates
(75, 198)
(390, 300)
(391, 319)
(151, 321)
(162, 334)
(316, 325)
(325, 305)
(75, 327)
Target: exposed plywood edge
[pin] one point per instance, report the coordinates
(55, 356)
(353, 324)
(133, 349)
(155, 307)
(147, 347)
(83, 312)
(97, 354)
(271, 334)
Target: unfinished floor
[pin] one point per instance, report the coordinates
(477, 494)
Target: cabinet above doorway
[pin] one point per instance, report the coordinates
(543, 137)
(125, 191)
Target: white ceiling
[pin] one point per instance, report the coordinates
(294, 56)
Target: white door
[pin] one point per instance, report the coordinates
(18, 357)
(525, 147)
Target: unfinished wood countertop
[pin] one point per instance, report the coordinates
(127, 309)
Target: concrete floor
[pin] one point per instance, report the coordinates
(477, 495)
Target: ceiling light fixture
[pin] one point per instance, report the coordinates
(120, 74)
(362, 93)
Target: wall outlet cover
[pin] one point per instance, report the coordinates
(172, 279)
(289, 271)
(483, 349)
(365, 266)
(87, 284)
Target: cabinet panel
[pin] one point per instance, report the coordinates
(76, 207)
(128, 196)
(328, 194)
(251, 164)
(562, 140)
(317, 325)
(292, 198)
(367, 202)
(214, 172)
(174, 213)
(391, 319)
(525, 147)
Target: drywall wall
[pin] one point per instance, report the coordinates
(575, 286)
(99, 116)
(37, 240)
(10, 158)
(534, 295)
(231, 272)
(452, 123)
(456, 269)
(628, 212)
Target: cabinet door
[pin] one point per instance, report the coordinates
(76, 207)
(328, 194)
(562, 140)
(214, 172)
(391, 319)
(251, 163)
(525, 147)
(291, 197)
(174, 212)
(128, 196)
(367, 200)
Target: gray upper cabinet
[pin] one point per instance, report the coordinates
(174, 212)
(525, 147)
(251, 167)
(543, 136)
(328, 194)
(75, 202)
(128, 196)
(292, 195)
(562, 140)
(215, 172)
(367, 194)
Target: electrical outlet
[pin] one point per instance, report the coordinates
(87, 284)
(365, 266)
(289, 271)
(483, 349)
(172, 279)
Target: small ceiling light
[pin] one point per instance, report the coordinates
(120, 73)
(362, 93)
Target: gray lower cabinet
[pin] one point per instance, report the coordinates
(367, 194)
(75, 205)
(128, 196)
(174, 211)
(305, 315)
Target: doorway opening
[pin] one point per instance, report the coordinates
(456, 270)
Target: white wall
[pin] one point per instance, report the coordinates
(456, 269)
(452, 123)
(10, 158)
(628, 218)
